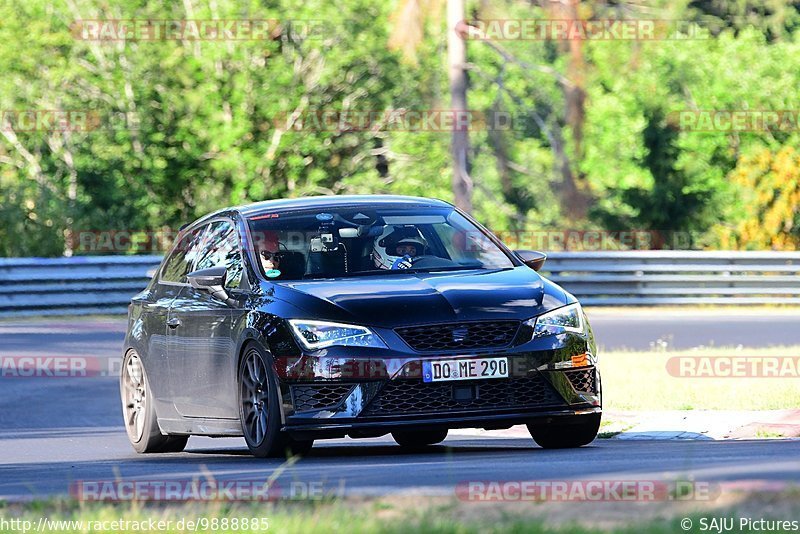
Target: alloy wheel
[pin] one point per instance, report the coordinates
(255, 397)
(135, 397)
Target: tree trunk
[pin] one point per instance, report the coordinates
(457, 58)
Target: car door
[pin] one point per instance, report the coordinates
(171, 281)
(201, 348)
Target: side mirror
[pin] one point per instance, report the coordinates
(532, 258)
(213, 281)
(208, 278)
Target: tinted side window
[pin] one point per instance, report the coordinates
(183, 256)
(220, 248)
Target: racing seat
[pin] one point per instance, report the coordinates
(293, 265)
(328, 264)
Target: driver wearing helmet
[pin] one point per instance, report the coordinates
(400, 254)
(407, 249)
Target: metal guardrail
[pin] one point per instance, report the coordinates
(655, 278)
(72, 286)
(105, 284)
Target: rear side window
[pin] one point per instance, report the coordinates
(182, 258)
(219, 247)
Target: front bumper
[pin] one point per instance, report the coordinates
(488, 421)
(341, 393)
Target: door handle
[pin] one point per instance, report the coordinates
(174, 322)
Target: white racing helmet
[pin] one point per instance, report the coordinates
(380, 257)
(383, 251)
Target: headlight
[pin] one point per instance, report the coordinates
(314, 335)
(566, 319)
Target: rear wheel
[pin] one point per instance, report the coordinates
(417, 439)
(141, 421)
(577, 431)
(259, 409)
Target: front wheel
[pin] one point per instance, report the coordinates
(576, 431)
(417, 439)
(141, 421)
(258, 406)
(259, 409)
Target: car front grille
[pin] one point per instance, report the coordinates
(459, 336)
(306, 398)
(582, 380)
(405, 397)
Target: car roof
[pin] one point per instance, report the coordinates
(269, 206)
(333, 201)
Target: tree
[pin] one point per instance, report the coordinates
(457, 60)
(769, 182)
(208, 129)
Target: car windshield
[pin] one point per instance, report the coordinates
(362, 241)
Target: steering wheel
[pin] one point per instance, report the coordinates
(431, 262)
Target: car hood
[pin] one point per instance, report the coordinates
(417, 298)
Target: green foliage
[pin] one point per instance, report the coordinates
(210, 131)
(771, 218)
(207, 121)
(674, 201)
(648, 172)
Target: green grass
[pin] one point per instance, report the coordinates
(356, 517)
(399, 515)
(640, 381)
(610, 428)
(769, 434)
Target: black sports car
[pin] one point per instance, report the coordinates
(293, 320)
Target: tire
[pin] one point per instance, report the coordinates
(139, 413)
(418, 439)
(578, 431)
(259, 408)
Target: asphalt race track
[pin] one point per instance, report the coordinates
(55, 432)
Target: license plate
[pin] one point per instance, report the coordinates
(464, 369)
